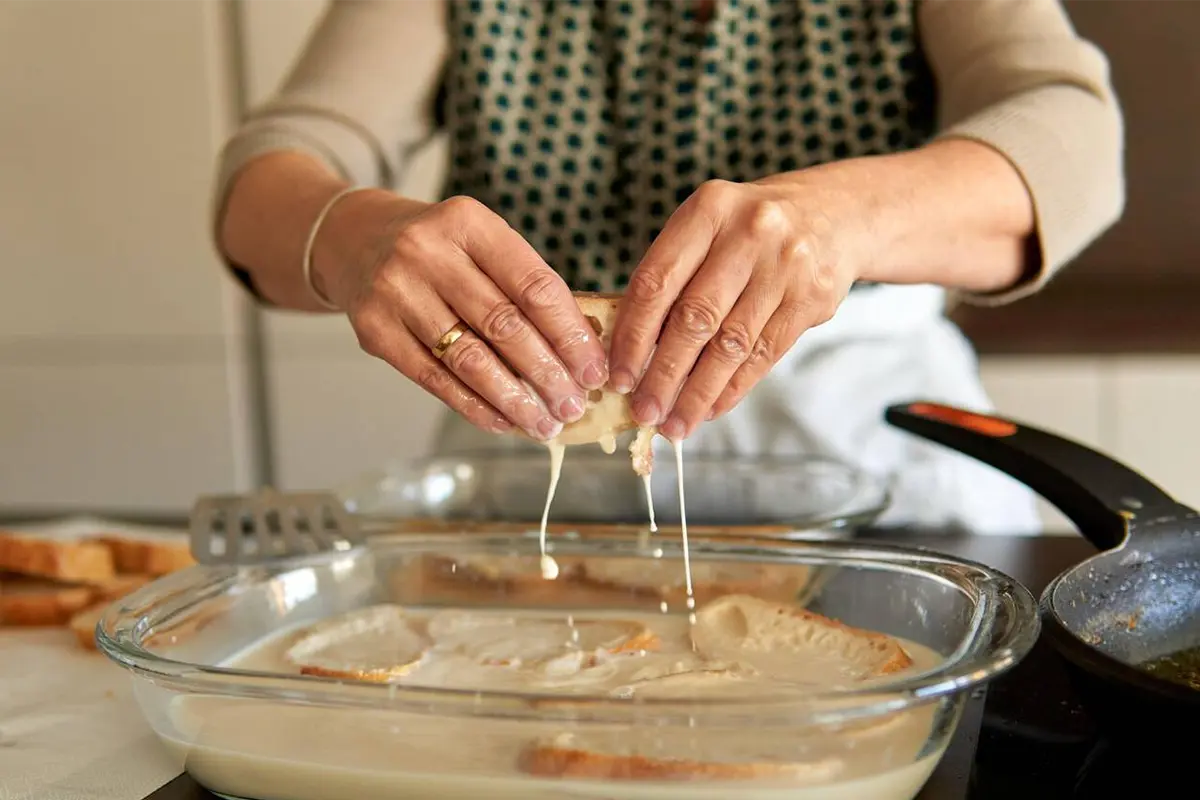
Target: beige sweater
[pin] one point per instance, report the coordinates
(1010, 73)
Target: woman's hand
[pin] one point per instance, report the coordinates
(736, 275)
(529, 354)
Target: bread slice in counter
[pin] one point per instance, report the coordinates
(79, 559)
(148, 552)
(790, 643)
(83, 624)
(32, 601)
(26, 601)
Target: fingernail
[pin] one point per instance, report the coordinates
(646, 411)
(549, 427)
(673, 428)
(711, 415)
(570, 409)
(594, 375)
(501, 426)
(622, 381)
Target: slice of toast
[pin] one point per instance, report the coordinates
(27, 601)
(78, 559)
(496, 639)
(148, 552)
(665, 579)
(657, 755)
(607, 413)
(377, 644)
(790, 643)
(119, 586)
(83, 624)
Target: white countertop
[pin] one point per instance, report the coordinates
(70, 728)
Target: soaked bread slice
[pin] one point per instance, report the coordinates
(665, 755)
(607, 413)
(786, 642)
(664, 578)
(496, 639)
(377, 644)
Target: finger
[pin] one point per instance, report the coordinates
(668, 265)
(414, 361)
(692, 322)
(777, 337)
(539, 292)
(476, 365)
(723, 357)
(473, 295)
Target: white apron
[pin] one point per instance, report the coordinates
(826, 397)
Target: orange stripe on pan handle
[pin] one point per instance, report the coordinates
(1099, 494)
(960, 417)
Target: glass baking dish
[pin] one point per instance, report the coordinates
(791, 496)
(254, 734)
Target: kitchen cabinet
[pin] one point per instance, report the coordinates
(125, 381)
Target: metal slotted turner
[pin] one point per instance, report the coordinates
(267, 526)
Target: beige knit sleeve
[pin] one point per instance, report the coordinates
(1014, 75)
(360, 96)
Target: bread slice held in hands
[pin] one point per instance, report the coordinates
(607, 413)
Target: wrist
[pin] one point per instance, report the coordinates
(355, 236)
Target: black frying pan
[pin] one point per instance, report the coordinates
(1137, 600)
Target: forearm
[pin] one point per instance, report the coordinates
(955, 213)
(269, 213)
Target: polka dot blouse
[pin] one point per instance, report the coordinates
(585, 123)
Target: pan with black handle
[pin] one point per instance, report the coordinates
(1135, 602)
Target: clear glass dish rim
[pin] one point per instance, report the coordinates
(988, 649)
(879, 489)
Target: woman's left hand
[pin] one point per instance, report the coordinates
(737, 274)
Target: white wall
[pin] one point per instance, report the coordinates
(121, 361)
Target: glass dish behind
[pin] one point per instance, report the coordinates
(809, 497)
(290, 737)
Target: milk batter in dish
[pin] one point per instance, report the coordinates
(733, 648)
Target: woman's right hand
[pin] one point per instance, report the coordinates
(529, 356)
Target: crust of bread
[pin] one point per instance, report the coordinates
(74, 560)
(35, 602)
(664, 580)
(742, 623)
(561, 759)
(83, 625)
(148, 556)
(384, 623)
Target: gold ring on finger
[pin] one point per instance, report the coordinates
(448, 338)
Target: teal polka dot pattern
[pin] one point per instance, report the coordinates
(585, 123)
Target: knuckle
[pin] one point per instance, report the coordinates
(763, 353)
(460, 206)
(645, 286)
(695, 317)
(434, 380)
(767, 219)
(541, 289)
(467, 357)
(733, 344)
(504, 323)
(370, 328)
(715, 192)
